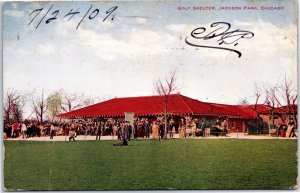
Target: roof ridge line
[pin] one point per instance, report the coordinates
(148, 96)
(181, 97)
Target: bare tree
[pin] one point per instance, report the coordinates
(164, 89)
(258, 97)
(88, 100)
(17, 112)
(12, 106)
(244, 101)
(289, 95)
(73, 101)
(271, 99)
(39, 106)
(103, 98)
(258, 94)
(282, 94)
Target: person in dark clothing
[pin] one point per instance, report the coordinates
(291, 124)
(143, 130)
(171, 129)
(124, 136)
(143, 133)
(110, 128)
(120, 131)
(161, 131)
(98, 131)
(5, 131)
(29, 131)
(34, 130)
(129, 130)
(8, 131)
(202, 127)
(124, 131)
(147, 129)
(135, 133)
(282, 128)
(124, 143)
(38, 131)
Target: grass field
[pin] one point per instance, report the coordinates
(151, 164)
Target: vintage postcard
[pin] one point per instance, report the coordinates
(150, 95)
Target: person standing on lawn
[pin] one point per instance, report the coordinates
(161, 131)
(125, 132)
(24, 130)
(194, 127)
(291, 128)
(72, 135)
(182, 132)
(98, 131)
(52, 130)
(38, 130)
(154, 130)
(15, 129)
(202, 128)
(8, 130)
(120, 126)
(135, 129)
(129, 130)
(147, 129)
(171, 129)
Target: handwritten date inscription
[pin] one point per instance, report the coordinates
(51, 15)
(220, 31)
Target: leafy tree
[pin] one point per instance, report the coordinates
(54, 102)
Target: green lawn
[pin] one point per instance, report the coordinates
(151, 164)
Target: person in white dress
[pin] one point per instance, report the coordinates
(24, 130)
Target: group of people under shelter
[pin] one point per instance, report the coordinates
(119, 128)
(123, 129)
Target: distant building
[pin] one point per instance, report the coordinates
(280, 114)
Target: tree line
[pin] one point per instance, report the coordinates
(43, 107)
(281, 94)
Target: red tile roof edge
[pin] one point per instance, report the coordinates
(219, 109)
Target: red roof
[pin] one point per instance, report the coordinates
(249, 109)
(260, 108)
(286, 109)
(282, 110)
(153, 105)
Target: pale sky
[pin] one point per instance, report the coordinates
(144, 42)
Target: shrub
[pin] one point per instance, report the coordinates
(257, 127)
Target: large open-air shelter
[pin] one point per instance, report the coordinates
(179, 106)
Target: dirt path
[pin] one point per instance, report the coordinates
(89, 138)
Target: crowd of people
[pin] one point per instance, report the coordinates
(287, 130)
(141, 127)
(121, 129)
